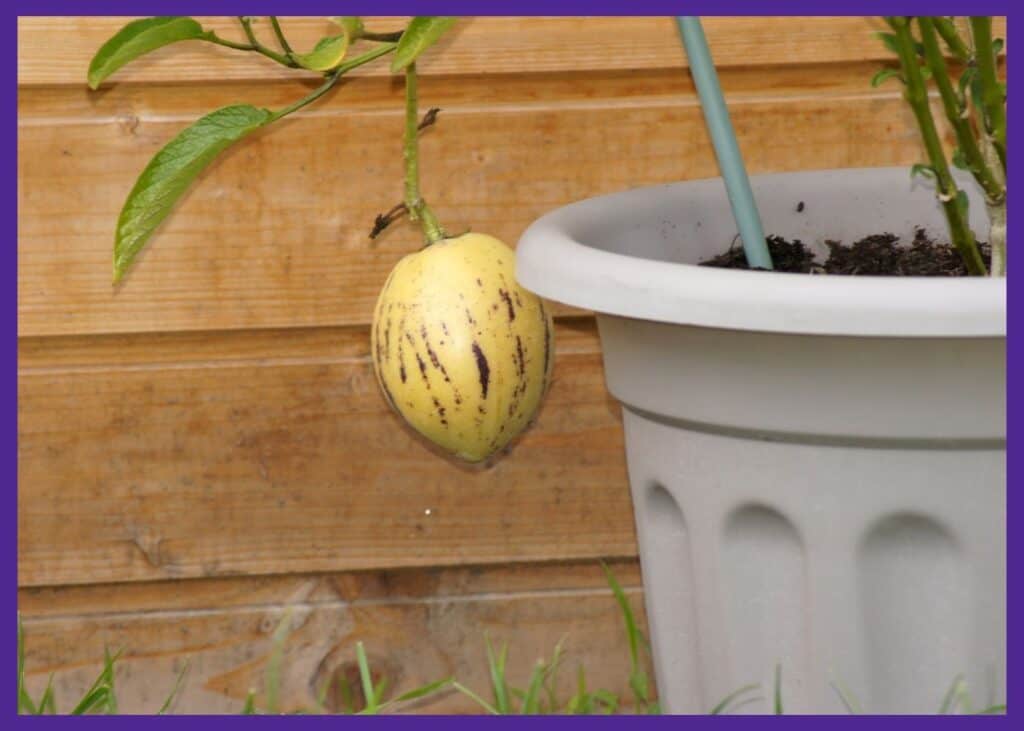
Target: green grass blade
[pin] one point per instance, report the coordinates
(727, 702)
(101, 688)
(778, 690)
(581, 703)
(273, 671)
(531, 699)
(369, 692)
(632, 633)
(550, 678)
(378, 692)
(606, 698)
(993, 709)
(496, 665)
(174, 691)
(249, 709)
(416, 693)
(25, 704)
(348, 704)
(480, 701)
(47, 703)
(847, 699)
(949, 701)
(94, 699)
(638, 680)
(321, 697)
(108, 679)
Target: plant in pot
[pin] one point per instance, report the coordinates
(817, 462)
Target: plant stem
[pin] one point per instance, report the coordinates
(947, 29)
(279, 34)
(916, 95)
(418, 208)
(214, 38)
(957, 114)
(333, 77)
(254, 44)
(993, 98)
(989, 178)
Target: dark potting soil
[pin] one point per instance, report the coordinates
(878, 255)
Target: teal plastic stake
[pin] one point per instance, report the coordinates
(723, 137)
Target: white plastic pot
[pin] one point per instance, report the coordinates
(817, 462)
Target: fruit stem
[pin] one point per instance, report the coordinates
(418, 208)
(279, 34)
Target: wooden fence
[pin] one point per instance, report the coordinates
(205, 445)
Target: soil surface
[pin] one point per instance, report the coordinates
(877, 255)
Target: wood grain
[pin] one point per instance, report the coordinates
(145, 458)
(274, 235)
(418, 626)
(476, 45)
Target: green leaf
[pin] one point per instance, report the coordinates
(137, 39)
(778, 690)
(172, 170)
(327, 53)
(884, 75)
(889, 41)
(925, 171)
(351, 24)
(174, 691)
(959, 160)
(967, 79)
(422, 32)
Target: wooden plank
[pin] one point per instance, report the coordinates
(477, 45)
(145, 458)
(274, 235)
(418, 626)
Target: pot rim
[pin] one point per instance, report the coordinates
(554, 261)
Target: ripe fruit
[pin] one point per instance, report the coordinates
(461, 351)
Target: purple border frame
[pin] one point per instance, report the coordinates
(467, 7)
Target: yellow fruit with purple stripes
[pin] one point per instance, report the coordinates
(461, 351)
